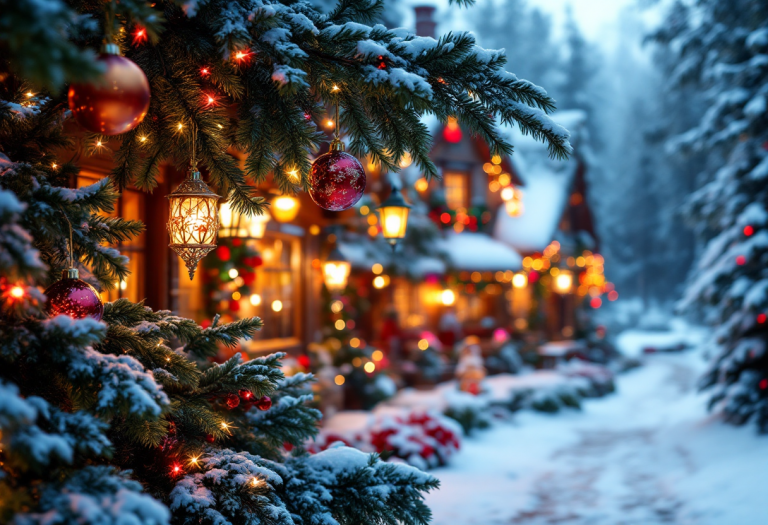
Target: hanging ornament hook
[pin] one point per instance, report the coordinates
(71, 272)
(193, 222)
(336, 143)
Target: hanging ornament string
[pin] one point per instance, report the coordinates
(337, 179)
(193, 221)
(118, 100)
(71, 296)
(70, 246)
(336, 138)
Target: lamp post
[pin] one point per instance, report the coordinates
(394, 216)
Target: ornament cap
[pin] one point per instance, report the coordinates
(337, 145)
(70, 273)
(110, 48)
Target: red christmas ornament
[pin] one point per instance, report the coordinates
(232, 401)
(265, 403)
(303, 360)
(73, 297)
(234, 305)
(117, 102)
(245, 394)
(741, 260)
(337, 179)
(209, 438)
(761, 318)
(748, 230)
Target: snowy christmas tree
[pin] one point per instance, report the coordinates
(114, 413)
(724, 50)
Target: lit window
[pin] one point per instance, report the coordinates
(130, 205)
(456, 192)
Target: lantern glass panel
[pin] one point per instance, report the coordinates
(394, 221)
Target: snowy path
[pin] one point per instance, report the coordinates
(648, 455)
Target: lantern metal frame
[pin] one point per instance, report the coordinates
(193, 187)
(395, 200)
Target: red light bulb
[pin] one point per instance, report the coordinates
(748, 230)
(139, 36)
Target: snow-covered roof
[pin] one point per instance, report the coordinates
(479, 252)
(546, 191)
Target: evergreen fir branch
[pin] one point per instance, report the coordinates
(259, 375)
(297, 385)
(206, 342)
(361, 11)
(289, 420)
(147, 433)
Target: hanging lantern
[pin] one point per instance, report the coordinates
(336, 270)
(564, 282)
(394, 216)
(241, 225)
(285, 208)
(193, 222)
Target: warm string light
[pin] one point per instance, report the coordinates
(17, 292)
(139, 36)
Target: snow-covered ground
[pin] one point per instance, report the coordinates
(649, 454)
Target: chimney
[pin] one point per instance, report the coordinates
(425, 23)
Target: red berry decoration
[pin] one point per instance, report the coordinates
(232, 400)
(246, 394)
(115, 103)
(209, 438)
(337, 179)
(73, 297)
(265, 403)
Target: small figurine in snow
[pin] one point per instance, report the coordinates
(470, 370)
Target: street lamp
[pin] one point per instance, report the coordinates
(336, 270)
(394, 216)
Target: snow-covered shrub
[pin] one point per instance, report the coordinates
(468, 410)
(424, 439)
(599, 378)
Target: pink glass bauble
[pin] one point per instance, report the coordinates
(337, 181)
(115, 103)
(74, 298)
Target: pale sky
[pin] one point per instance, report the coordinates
(598, 19)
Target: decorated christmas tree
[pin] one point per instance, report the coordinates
(113, 412)
(723, 50)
